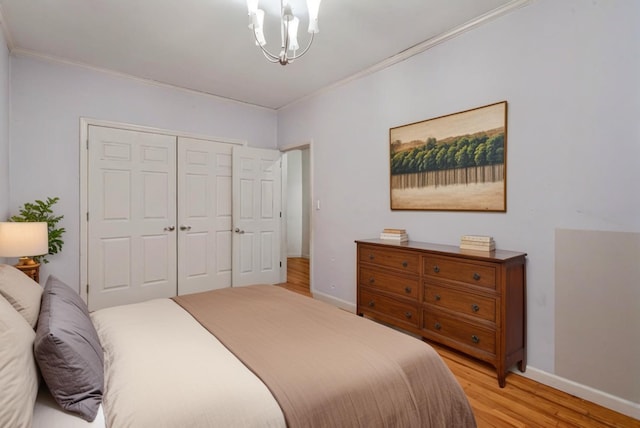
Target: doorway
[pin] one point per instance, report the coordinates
(296, 168)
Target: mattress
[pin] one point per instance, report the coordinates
(262, 356)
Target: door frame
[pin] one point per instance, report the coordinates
(84, 174)
(312, 208)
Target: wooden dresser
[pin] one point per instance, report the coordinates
(468, 300)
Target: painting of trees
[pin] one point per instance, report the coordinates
(464, 153)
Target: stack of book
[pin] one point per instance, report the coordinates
(477, 243)
(398, 235)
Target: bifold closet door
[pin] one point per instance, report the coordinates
(204, 215)
(131, 228)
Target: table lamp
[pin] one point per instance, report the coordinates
(23, 240)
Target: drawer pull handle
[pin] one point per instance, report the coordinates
(407, 290)
(408, 315)
(436, 268)
(475, 308)
(372, 304)
(438, 326)
(437, 297)
(371, 257)
(405, 264)
(475, 339)
(372, 280)
(476, 276)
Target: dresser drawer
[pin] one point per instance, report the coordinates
(405, 313)
(402, 285)
(483, 275)
(458, 301)
(384, 256)
(468, 334)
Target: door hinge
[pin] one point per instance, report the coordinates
(87, 144)
(280, 214)
(87, 288)
(280, 264)
(87, 215)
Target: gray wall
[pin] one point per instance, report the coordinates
(4, 129)
(597, 305)
(298, 203)
(569, 71)
(294, 203)
(306, 202)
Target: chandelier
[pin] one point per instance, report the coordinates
(288, 30)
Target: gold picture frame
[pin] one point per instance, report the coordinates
(456, 162)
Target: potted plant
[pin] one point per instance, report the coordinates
(41, 211)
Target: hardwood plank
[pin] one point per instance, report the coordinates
(524, 402)
(297, 276)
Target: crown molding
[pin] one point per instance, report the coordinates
(58, 60)
(402, 56)
(5, 31)
(420, 47)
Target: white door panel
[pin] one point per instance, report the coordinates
(131, 209)
(256, 216)
(204, 213)
(161, 211)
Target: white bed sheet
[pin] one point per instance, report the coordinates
(163, 369)
(47, 414)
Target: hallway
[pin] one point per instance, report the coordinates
(297, 276)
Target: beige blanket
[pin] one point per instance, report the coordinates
(330, 368)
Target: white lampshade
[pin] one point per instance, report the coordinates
(20, 239)
(314, 8)
(252, 6)
(293, 34)
(258, 28)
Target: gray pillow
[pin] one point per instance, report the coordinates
(68, 350)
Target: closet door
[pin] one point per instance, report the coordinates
(204, 215)
(131, 228)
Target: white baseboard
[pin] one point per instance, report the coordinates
(342, 304)
(602, 398)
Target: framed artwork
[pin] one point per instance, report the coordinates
(456, 162)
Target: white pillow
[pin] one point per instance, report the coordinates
(22, 292)
(18, 370)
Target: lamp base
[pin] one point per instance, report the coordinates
(32, 270)
(26, 261)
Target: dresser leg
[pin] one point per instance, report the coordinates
(522, 365)
(502, 379)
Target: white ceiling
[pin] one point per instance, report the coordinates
(205, 45)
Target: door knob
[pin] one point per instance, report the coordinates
(238, 230)
(170, 228)
(185, 227)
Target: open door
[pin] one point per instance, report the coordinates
(256, 183)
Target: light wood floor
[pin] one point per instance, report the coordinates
(297, 275)
(521, 403)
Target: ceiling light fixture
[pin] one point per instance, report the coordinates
(288, 30)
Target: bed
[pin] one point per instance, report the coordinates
(257, 356)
